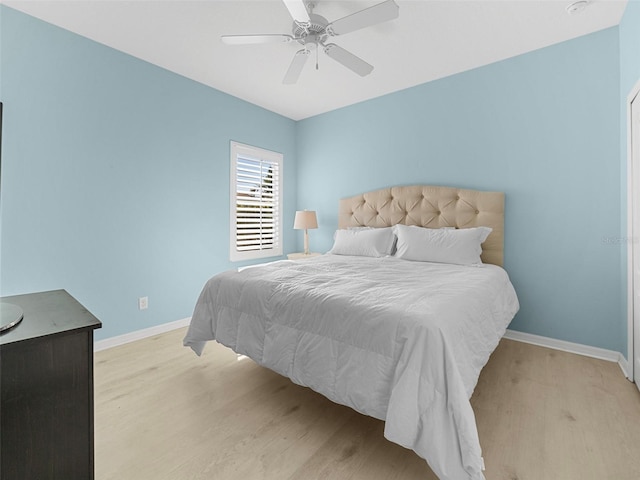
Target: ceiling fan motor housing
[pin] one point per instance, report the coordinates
(312, 33)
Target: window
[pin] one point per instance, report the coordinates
(256, 203)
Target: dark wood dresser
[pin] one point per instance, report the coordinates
(46, 390)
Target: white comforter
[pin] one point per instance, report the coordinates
(398, 340)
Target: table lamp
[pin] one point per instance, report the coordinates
(305, 219)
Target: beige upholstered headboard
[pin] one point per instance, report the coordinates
(432, 207)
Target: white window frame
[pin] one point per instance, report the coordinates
(266, 159)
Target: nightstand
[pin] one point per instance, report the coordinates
(302, 256)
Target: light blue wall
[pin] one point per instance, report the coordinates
(115, 175)
(542, 127)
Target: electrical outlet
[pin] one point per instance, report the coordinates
(143, 303)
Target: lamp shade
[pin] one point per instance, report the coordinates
(305, 219)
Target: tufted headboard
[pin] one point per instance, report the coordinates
(432, 207)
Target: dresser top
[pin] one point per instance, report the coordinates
(47, 313)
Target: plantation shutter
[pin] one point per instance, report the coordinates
(257, 203)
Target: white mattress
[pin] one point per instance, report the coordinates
(397, 340)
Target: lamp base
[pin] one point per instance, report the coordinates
(306, 242)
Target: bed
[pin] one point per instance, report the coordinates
(399, 337)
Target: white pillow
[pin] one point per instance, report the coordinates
(457, 246)
(365, 242)
(391, 250)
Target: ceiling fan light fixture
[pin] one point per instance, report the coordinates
(577, 7)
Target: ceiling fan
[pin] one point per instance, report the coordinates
(312, 31)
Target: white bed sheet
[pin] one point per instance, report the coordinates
(397, 340)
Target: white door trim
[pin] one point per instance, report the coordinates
(633, 189)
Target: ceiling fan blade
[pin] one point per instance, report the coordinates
(299, 59)
(251, 39)
(379, 13)
(348, 59)
(298, 10)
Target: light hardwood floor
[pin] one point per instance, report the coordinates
(161, 413)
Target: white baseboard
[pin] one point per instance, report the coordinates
(577, 348)
(624, 366)
(139, 334)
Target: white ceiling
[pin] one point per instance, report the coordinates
(430, 40)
